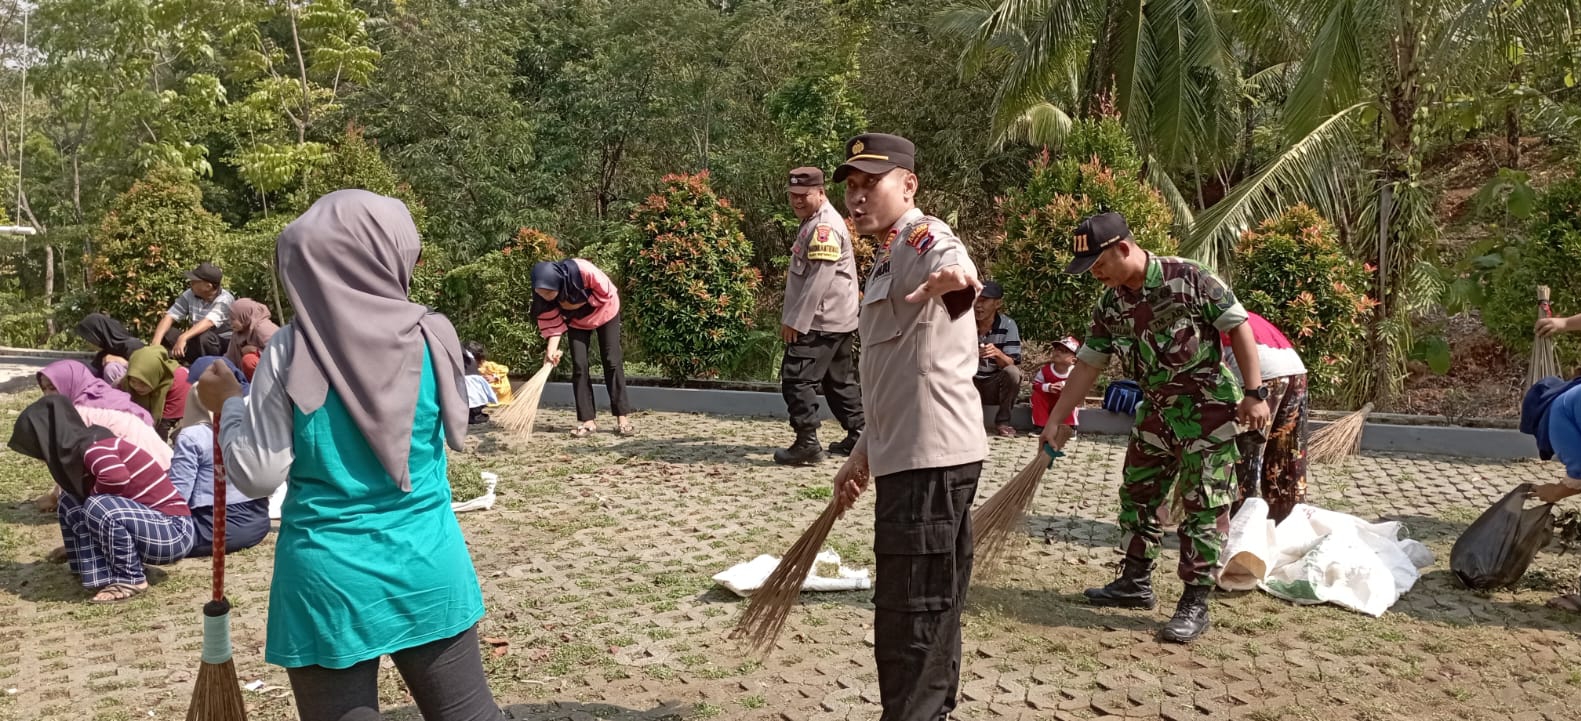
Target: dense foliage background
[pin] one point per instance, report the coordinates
(158, 132)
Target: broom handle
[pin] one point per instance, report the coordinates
(1544, 309)
(219, 514)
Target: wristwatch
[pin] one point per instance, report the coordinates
(1260, 392)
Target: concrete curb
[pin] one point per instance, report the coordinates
(1462, 442)
(15, 353)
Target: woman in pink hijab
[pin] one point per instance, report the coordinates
(251, 330)
(99, 405)
(79, 385)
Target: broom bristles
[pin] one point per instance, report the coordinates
(217, 695)
(996, 521)
(1340, 439)
(769, 606)
(519, 418)
(1544, 363)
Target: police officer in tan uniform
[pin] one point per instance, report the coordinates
(924, 444)
(819, 324)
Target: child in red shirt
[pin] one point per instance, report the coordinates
(1050, 381)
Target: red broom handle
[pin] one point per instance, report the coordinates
(1544, 308)
(219, 514)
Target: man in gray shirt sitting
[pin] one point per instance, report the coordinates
(207, 307)
(998, 376)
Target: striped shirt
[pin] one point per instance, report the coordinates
(189, 307)
(122, 469)
(1007, 337)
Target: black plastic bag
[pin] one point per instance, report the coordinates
(1496, 549)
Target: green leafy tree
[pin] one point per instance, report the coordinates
(294, 62)
(155, 232)
(697, 285)
(1355, 129)
(1097, 173)
(353, 161)
(120, 88)
(1548, 253)
(1293, 271)
(442, 109)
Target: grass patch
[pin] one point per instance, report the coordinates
(815, 493)
(660, 673)
(754, 702)
(573, 656)
(466, 477)
(706, 710)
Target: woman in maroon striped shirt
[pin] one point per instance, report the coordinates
(118, 509)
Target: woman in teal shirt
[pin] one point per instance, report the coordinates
(352, 406)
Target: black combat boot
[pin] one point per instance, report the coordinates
(1133, 589)
(844, 447)
(804, 452)
(1191, 616)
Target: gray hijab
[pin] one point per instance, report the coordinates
(347, 265)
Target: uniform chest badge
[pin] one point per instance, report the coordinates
(920, 238)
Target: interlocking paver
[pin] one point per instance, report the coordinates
(596, 564)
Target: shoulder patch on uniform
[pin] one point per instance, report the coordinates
(920, 238)
(823, 247)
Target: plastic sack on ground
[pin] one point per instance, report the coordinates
(483, 502)
(1495, 549)
(827, 575)
(1249, 549)
(1319, 556)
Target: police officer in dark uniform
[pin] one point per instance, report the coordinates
(819, 324)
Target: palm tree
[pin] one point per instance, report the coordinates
(1363, 96)
(1164, 65)
(1347, 87)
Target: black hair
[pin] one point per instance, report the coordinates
(475, 354)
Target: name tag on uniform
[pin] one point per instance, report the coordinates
(877, 288)
(1165, 318)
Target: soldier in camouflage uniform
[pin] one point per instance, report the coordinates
(1163, 317)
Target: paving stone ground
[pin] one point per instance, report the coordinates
(596, 566)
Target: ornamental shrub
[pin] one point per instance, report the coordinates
(1293, 271)
(247, 257)
(1097, 170)
(694, 287)
(1548, 254)
(155, 232)
(490, 300)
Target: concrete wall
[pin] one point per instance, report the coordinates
(1493, 443)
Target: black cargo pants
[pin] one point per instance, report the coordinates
(821, 360)
(922, 540)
